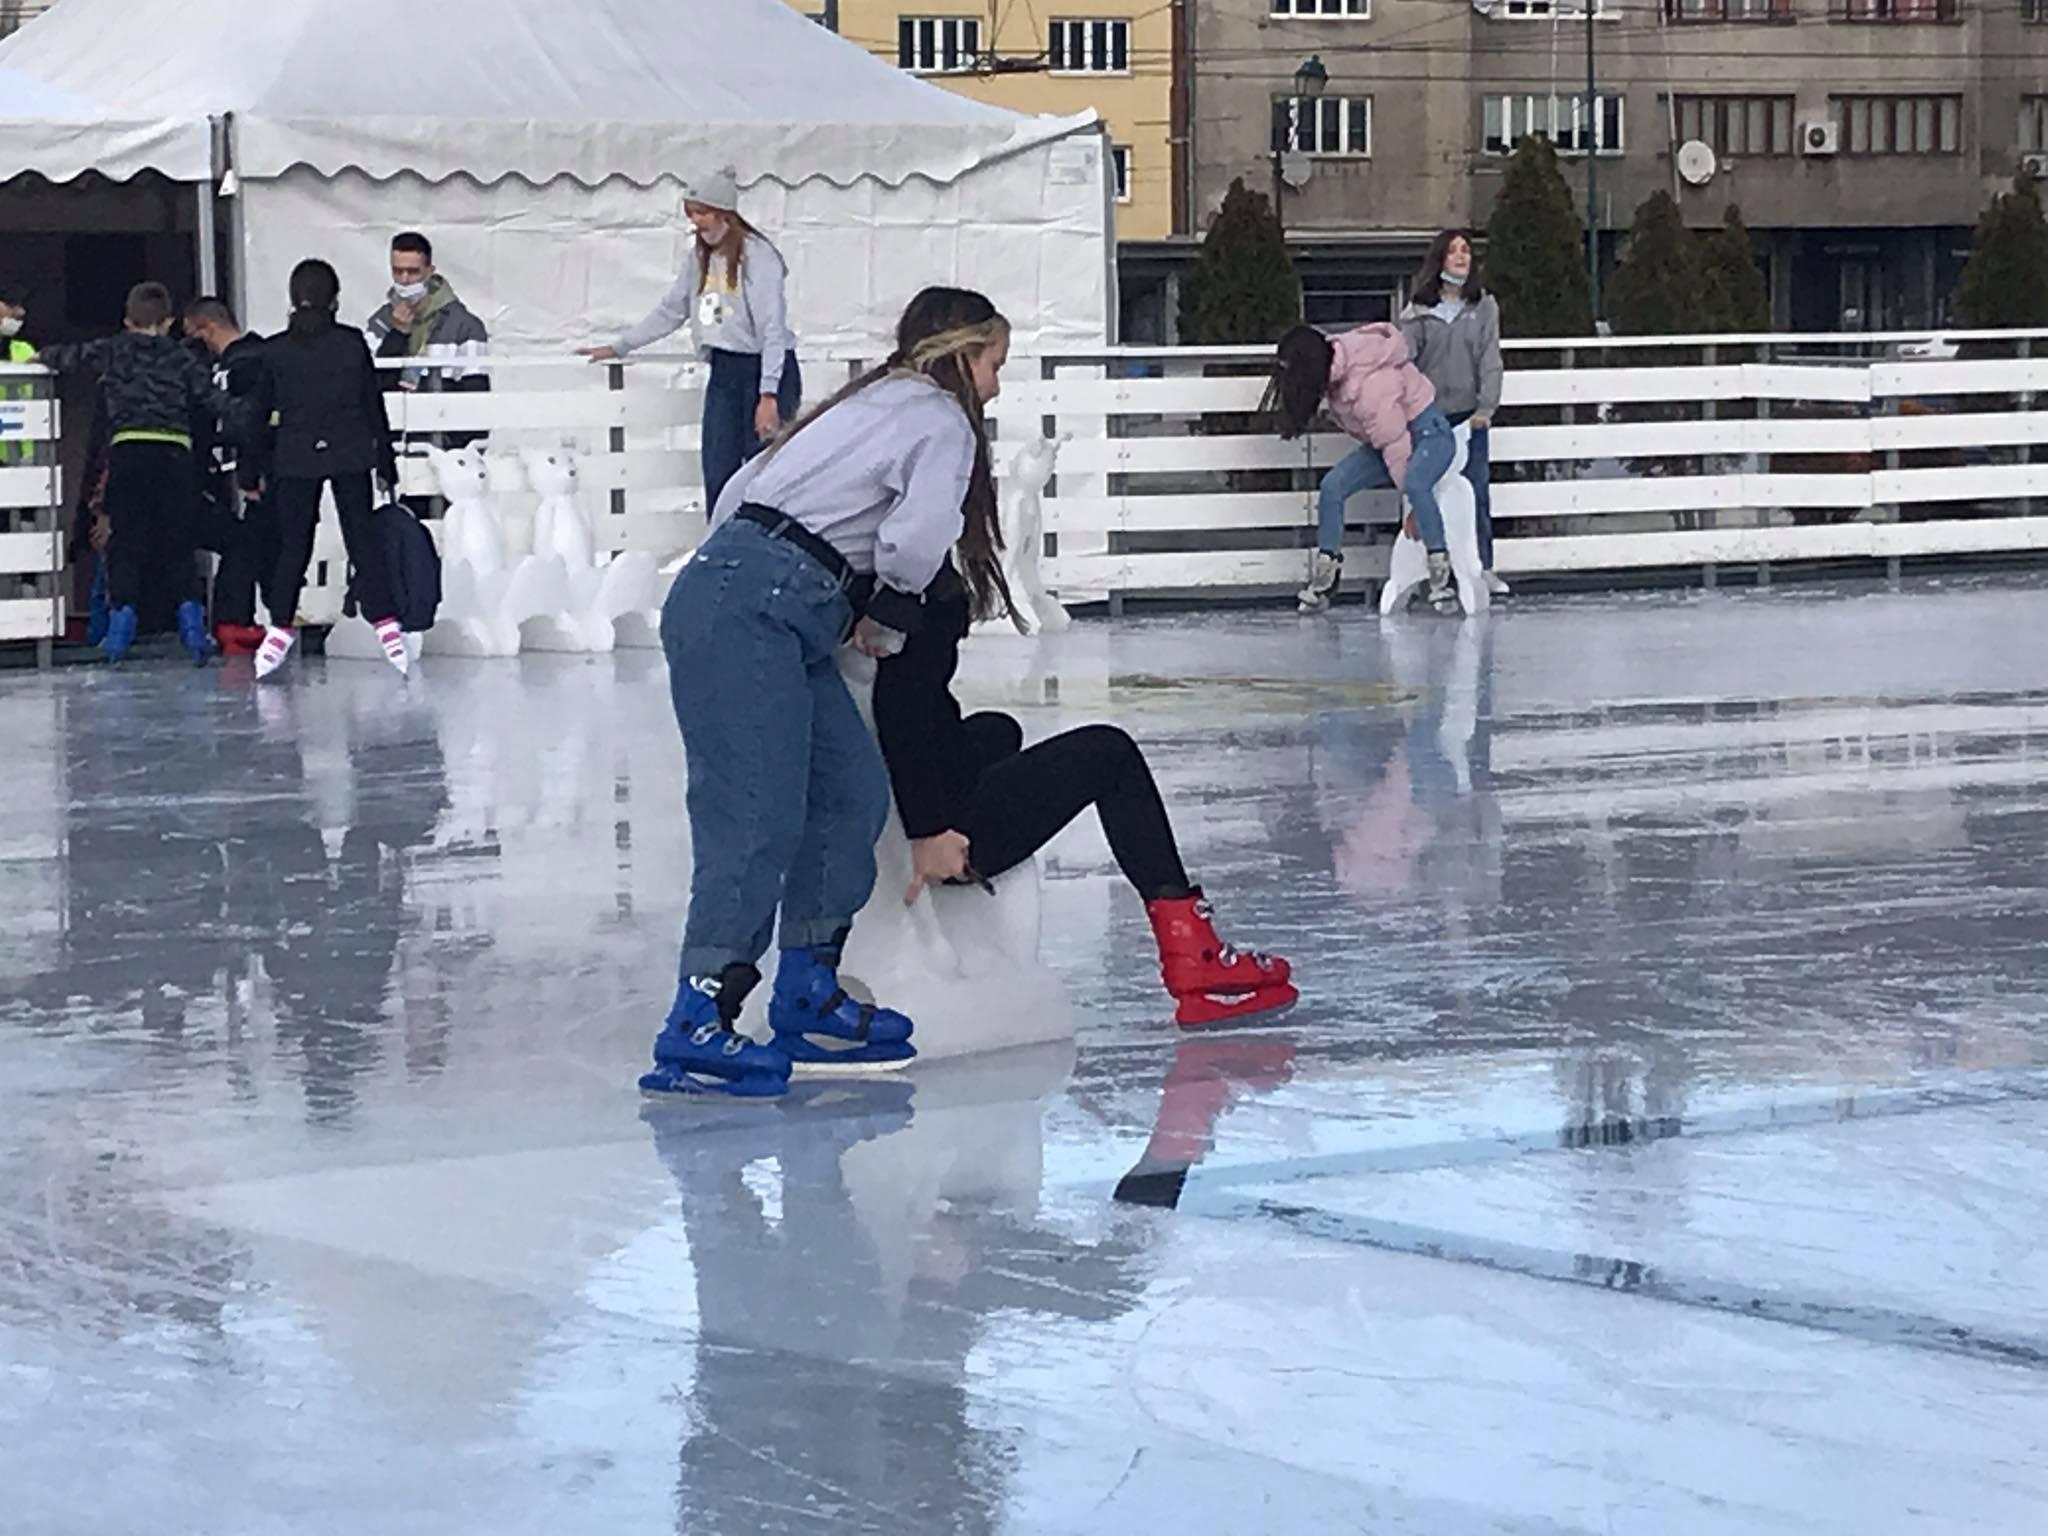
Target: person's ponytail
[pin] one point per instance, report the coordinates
(316, 300)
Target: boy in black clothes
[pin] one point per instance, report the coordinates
(158, 399)
(245, 531)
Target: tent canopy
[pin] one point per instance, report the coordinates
(487, 89)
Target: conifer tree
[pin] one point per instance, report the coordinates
(1736, 299)
(1242, 290)
(1658, 290)
(1536, 248)
(2005, 281)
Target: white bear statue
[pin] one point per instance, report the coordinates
(1408, 568)
(1023, 524)
(485, 596)
(962, 963)
(597, 594)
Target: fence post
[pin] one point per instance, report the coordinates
(2026, 404)
(615, 440)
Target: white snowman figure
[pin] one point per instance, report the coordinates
(962, 963)
(485, 594)
(1022, 510)
(1408, 568)
(597, 593)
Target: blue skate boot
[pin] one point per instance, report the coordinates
(700, 1051)
(192, 632)
(822, 1030)
(121, 626)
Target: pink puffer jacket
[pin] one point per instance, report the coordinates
(1375, 392)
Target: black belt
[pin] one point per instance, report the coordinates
(782, 526)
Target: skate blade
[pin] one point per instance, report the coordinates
(666, 1086)
(859, 1068)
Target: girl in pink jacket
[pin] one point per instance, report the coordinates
(1378, 396)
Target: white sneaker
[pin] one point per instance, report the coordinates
(1325, 572)
(1496, 586)
(392, 638)
(277, 644)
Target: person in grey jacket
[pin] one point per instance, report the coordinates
(1453, 331)
(731, 296)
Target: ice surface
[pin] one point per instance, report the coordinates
(1658, 1146)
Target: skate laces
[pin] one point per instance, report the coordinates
(1230, 954)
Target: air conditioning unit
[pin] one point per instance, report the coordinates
(2034, 167)
(1819, 136)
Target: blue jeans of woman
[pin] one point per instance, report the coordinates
(1479, 472)
(1365, 469)
(731, 396)
(786, 791)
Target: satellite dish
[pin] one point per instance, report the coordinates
(1696, 163)
(1295, 169)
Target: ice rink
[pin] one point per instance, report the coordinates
(1660, 1146)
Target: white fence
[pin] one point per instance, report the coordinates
(31, 543)
(1609, 455)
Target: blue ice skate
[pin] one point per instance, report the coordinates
(192, 632)
(121, 626)
(824, 1031)
(696, 1052)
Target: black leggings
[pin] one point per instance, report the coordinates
(298, 519)
(1027, 795)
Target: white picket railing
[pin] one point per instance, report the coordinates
(1739, 451)
(31, 490)
(1607, 457)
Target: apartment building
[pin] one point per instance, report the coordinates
(1112, 56)
(1860, 137)
(14, 12)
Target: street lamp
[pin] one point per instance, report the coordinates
(1309, 81)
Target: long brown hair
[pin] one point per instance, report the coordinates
(1301, 376)
(941, 332)
(733, 247)
(1429, 282)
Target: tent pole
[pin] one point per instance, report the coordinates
(209, 259)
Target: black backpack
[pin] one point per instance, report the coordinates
(414, 565)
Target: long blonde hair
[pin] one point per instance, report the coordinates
(941, 331)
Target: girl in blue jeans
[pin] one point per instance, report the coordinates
(1378, 396)
(834, 533)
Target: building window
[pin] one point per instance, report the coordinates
(1900, 125)
(937, 45)
(1548, 10)
(1510, 119)
(1120, 167)
(1323, 125)
(1737, 125)
(1322, 9)
(1090, 48)
(1688, 12)
(2034, 10)
(2033, 136)
(1902, 12)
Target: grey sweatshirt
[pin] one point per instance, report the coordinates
(754, 319)
(1461, 356)
(881, 477)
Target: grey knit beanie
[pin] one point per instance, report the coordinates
(715, 189)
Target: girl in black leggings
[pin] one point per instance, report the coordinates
(976, 801)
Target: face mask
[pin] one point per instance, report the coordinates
(409, 291)
(11, 326)
(1452, 280)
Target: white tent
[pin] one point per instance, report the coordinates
(541, 145)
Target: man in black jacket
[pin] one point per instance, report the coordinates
(160, 408)
(246, 536)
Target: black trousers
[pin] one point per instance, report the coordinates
(1026, 796)
(298, 519)
(152, 509)
(248, 561)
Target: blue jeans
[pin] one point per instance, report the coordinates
(1364, 469)
(787, 792)
(1479, 471)
(731, 395)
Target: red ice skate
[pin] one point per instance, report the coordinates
(1208, 979)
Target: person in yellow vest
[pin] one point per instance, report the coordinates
(13, 349)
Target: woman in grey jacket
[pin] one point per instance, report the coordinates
(1453, 331)
(730, 294)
